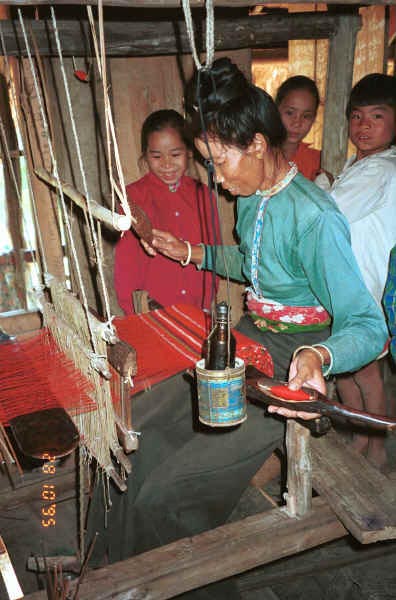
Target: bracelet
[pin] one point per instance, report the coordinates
(315, 350)
(186, 262)
(329, 367)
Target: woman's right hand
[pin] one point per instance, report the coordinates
(167, 244)
(305, 370)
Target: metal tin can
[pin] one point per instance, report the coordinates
(221, 395)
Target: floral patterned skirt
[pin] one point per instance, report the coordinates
(268, 315)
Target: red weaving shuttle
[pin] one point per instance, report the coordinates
(277, 393)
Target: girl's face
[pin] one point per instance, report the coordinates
(372, 128)
(298, 112)
(167, 155)
(238, 171)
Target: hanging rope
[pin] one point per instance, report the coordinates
(111, 139)
(211, 171)
(56, 174)
(82, 170)
(209, 33)
(33, 203)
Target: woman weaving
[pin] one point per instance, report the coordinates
(305, 288)
(294, 249)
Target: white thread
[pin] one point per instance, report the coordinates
(56, 174)
(82, 169)
(32, 199)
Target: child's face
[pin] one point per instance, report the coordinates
(372, 128)
(298, 112)
(167, 155)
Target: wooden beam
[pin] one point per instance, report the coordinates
(299, 472)
(339, 84)
(176, 3)
(144, 38)
(17, 322)
(361, 497)
(213, 555)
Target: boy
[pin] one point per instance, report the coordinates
(365, 192)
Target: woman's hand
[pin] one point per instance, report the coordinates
(167, 244)
(305, 369)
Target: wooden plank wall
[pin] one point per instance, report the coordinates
(141, 85)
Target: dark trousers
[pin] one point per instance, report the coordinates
(187, 478)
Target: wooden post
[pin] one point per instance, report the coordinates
(339, 83)
(299, 470)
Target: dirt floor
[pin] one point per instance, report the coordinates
(340, 570)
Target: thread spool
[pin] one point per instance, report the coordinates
(221, 395)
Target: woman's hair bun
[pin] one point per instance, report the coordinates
(222, 83)
(228, 106)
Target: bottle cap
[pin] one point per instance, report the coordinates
(222, 309)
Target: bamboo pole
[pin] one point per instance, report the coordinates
(111, 219)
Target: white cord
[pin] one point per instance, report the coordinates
(209, 33)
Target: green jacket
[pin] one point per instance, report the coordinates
(306, 260)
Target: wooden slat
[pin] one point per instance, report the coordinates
(362, 498)
(339, 83)
(299, 471)
(18, 322)
(176, 3)
(211, 556)
(150, 38)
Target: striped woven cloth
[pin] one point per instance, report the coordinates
(170, 340)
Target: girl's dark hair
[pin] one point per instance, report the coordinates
(232, 109)
(297, 82)
(375, 88)
(159, 120)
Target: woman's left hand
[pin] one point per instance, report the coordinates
(305, 369)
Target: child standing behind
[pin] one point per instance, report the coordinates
(298, 100)
(365, 192)
(173, 201)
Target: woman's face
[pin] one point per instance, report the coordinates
(298, 112)
(167, 155)
(240, 172)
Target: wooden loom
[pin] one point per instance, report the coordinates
(304, 523)
(82, 336)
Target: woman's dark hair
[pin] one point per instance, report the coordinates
(375, 88)
(297, 82)
(159, 120)
(222, 102)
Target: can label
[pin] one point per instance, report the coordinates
(222, 402)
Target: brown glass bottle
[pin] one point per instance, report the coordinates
(220, 347)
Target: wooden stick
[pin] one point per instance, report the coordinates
(7, 571)
(111, 219)
(11, 451)
(85, 566)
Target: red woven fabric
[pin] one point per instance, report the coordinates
(36, 375)
(170, 340)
